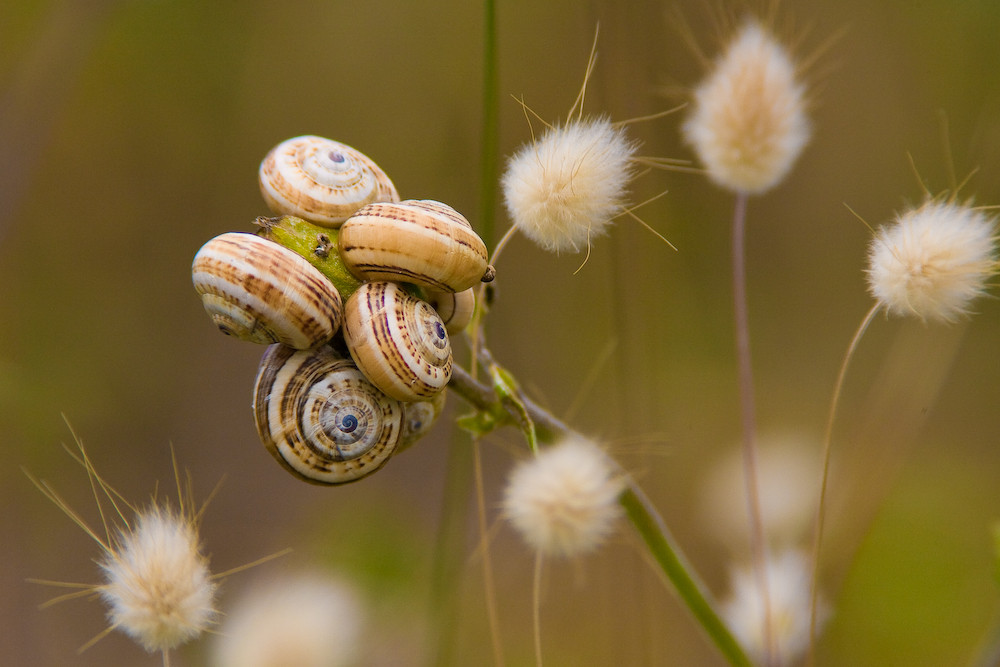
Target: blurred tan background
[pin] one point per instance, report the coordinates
(130, 133)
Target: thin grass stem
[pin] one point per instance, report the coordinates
(748, 420)
(827, 447)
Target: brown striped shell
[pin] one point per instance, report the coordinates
(455, 308)
(257, 290)
(320, 417)
(418, 418)
(423, 242)
(398, 341)
(321, 180)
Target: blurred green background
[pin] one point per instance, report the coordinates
(130, 133)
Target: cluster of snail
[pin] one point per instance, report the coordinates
(355, 292)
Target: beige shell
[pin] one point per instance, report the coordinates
(321, 180)
(455, 308)
(418, 418)
(257, 290)
(422, 242)
(398, 341)
(320, 417)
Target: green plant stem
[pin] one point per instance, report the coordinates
(638, 508)
(490, 151)
(691, 591)
(449, 551)
(748, 420)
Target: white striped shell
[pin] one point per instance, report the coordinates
(423, 242)
(257, 290)
(398, 341)
(321, 180)
(455, 308)
(320, 417)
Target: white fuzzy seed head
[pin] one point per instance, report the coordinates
(565, 188)
(748, 122)
(564, 501)
(932, 261)
(788, 582)
(157, 583)
(306, 620)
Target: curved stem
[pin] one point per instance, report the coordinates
(638, 508)
(691, 591)
(748, 420)
(827, 446)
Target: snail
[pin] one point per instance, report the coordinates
(398, 341)
(320, 417)
(455, 308)
(259, 291)
(418, 418)
(321, 180)
(423, 242)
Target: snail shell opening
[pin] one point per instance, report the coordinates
(259, 291)
(398, 341)
(423, 242)
(321, 180)
(321, 418)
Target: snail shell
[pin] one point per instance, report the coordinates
(398, 341)
(320, 417)
(259, 291)
(455, 308)
(423, 242)
(321, 180)
(418, 418)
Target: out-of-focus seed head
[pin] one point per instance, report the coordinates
(564, 501)
(748, 122)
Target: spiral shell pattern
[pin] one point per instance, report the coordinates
(398, 341)
(320, 417)
(259, 291)
(423, 242)
(321, 180)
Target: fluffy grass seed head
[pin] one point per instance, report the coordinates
(933, 260)
(303, 620)
(748, 122)
(158, 587)
(565, 188)
(788, 580)
(564, 501)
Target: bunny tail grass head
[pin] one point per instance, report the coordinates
(564, 501)
(566, 187)
(305, 619)
(933, 260)
(748, 122)
(788, 582)
(158, 587)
